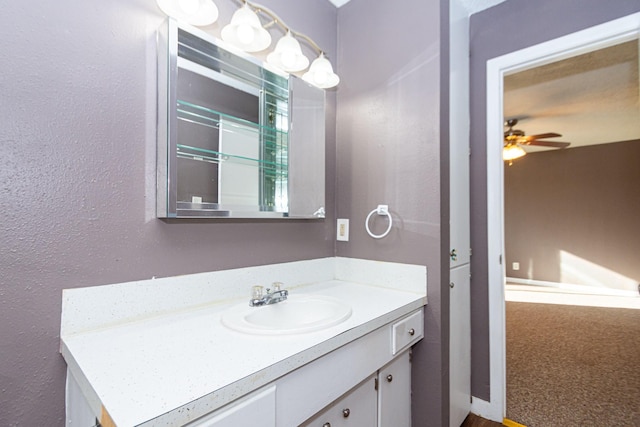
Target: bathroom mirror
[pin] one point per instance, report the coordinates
(236, 138)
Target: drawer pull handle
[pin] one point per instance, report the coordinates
(346, 413)
(412, 332)
(389, 378)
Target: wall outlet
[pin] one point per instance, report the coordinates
(342, 233)
(515, 266)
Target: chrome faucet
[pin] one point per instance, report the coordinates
(271, 297)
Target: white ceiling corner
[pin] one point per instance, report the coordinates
(475, 6)
(338, 3)
(471, 6)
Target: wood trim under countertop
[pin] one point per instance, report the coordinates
(105, 418)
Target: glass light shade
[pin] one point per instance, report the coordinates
(288, 55)
(321, 73)
(246, 32)
(194, 12)
(512, 152)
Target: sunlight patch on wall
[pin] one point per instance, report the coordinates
(577, 270)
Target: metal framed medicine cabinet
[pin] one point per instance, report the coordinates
(236, 138)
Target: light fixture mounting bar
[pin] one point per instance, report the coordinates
(276, 20)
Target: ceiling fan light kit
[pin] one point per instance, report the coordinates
(514, 139)
(512, 152)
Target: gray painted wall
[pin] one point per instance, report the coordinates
(390, 152)
(583, 201)
(77, 179)
(508, 27)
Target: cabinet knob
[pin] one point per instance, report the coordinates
(389, 378)
(346, 412)
(412, 332)
(326, 425)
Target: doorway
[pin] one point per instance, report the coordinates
(601, 36)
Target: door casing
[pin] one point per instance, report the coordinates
(593, 38)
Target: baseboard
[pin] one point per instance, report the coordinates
(572, 287)
(510, 423)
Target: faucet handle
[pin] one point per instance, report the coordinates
(256, 292)
(277, 286)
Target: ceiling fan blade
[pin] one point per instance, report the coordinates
(556, 144)
(542, 136)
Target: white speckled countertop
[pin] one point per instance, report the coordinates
(172, 367)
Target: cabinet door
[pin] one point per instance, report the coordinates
(394, 404)
(306, 150)
(459, 346)
(459, 200)
(357, 408)
(256, 409)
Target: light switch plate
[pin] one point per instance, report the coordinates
(342, 233)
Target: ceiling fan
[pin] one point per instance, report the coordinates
(514, 139)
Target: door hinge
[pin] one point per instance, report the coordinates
(375, 383)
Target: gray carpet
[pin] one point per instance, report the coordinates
(572, 366)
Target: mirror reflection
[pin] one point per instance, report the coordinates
(227, 140)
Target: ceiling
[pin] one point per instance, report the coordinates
(589, 99)
(472, 6)
(339, 3)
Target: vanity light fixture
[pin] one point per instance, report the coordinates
(194, 12)
(245, 31)
(321, 73)
(288, 54)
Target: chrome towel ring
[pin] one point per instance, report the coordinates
(380, 210)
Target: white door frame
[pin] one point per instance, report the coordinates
(598, 37)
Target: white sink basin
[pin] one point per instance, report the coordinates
(298, 314)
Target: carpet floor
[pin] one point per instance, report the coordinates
(572, 366)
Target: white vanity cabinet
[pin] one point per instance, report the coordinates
(394, 392)
(256, 409)
(356, 408)
(366, 382)
(383, 400)
(238, 379)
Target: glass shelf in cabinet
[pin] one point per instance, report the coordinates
(206, 116)
(204, 155)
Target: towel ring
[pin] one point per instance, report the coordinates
(380, 210)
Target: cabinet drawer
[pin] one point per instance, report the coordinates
(356, 408)
(407, 331)
(256, 409)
